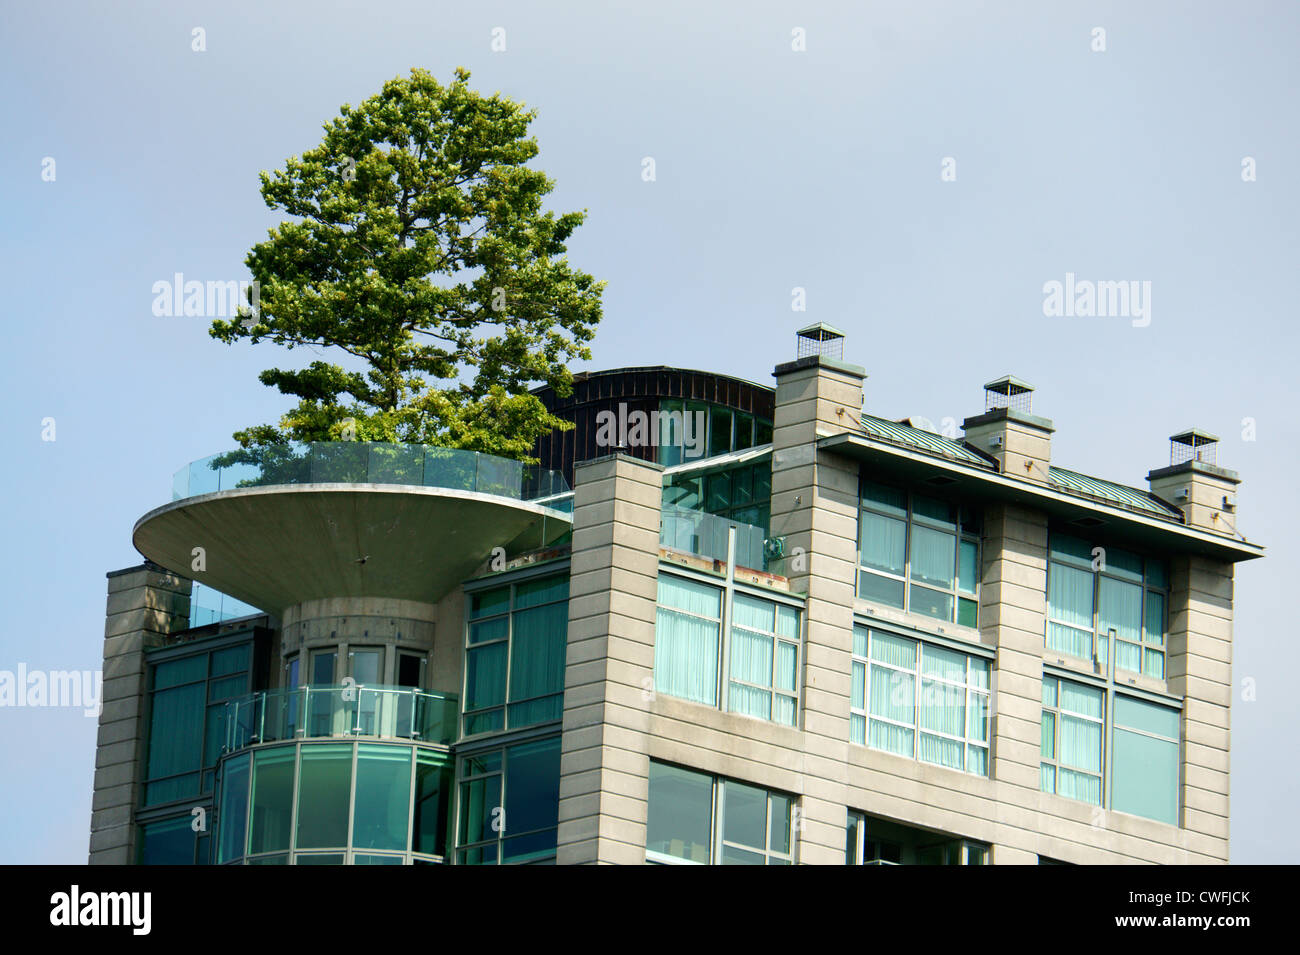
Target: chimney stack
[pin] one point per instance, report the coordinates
(1195, 484)
(1020, 442)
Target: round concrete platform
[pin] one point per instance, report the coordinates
(280, 545)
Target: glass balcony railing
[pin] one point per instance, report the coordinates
(383, 712)
(705, 535)
(364, 462)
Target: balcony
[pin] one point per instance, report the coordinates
(364, 462)
(705, 535)
(276, 527)
(322, 712)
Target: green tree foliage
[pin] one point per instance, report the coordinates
(419, 247)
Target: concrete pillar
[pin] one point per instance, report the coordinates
(815, 508)
(609, 673)
(145, 604)
(1200, 670)
(1013, 617)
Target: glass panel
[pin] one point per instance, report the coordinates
(933, 556)
(1049, 691)
(943, 664)
(532, 799)
(485, 603)
(762, 432)
(744, 814)
(686, 646)
(318, 858)
(967, 612)
(883, 543)
(930, 603)
(719, 431)
(1071, 549)
(537, 664)
(779, 827)
(485, 676)
(325, 793)
(383, 797)
(932, 509)
(1124, 564)
(744, 431)
(233, 808)
(432, 801)
(365, 666)
(1146, 717)
(492, 629)
(230, 660)
(1083, 700)
(360, 859)
(272, 799)
(898, 651)
(322, 669)
(1049, 735)
(860, 641)
(1120, 609)
(1144, 777)
(881, 590)
(968, 567)
(978, 725)
(1154, 629)
(1157, 573)
(733, 856)
(548, 590)
(893, 695)
(175, 739)
(175, 672)
(883, 498)
(169, 842)
(480, 810)
(787, 655)
(680, 813)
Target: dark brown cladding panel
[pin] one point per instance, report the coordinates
(641, 389)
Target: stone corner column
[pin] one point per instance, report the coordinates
(145, 604)
(613, 594)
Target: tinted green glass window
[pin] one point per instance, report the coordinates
(680, 812)
(433, 797)
(532, 800)
(168, 842)
(325, 792)
(234, 808)
(273, 771)
(382, 797)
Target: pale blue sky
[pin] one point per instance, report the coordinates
(775, 169)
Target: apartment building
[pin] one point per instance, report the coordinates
(719, 623)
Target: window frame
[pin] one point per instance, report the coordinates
(507, 702)
(717, 823)
(967, 528)
(917, 674)
(727, 591)
(1149, 587)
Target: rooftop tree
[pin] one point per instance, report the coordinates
(419, 247)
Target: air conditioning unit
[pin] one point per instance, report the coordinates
(995, 441)
(1183, 494)
(1229, 502)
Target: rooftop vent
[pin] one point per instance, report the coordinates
(821, 339)
(1193, 445)
(1008, 392)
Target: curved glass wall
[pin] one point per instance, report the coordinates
(334, 803)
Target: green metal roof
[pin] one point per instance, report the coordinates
(926, 441)
(1071, 482)
(1111, 493)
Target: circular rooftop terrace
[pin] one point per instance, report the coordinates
(349, 519)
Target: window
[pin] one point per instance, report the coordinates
(742, 494)
(510, 804)
(187, 704)
(172, 841)
(1072, 740)
(919, 554)
(514, 655)
(762, 652)
(873, 841)
(1098, 595)
(1144, 755)
(690, 430)
(919, 700)
(696, 818)
(334, 803)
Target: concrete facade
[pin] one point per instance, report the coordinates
(145, 604)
